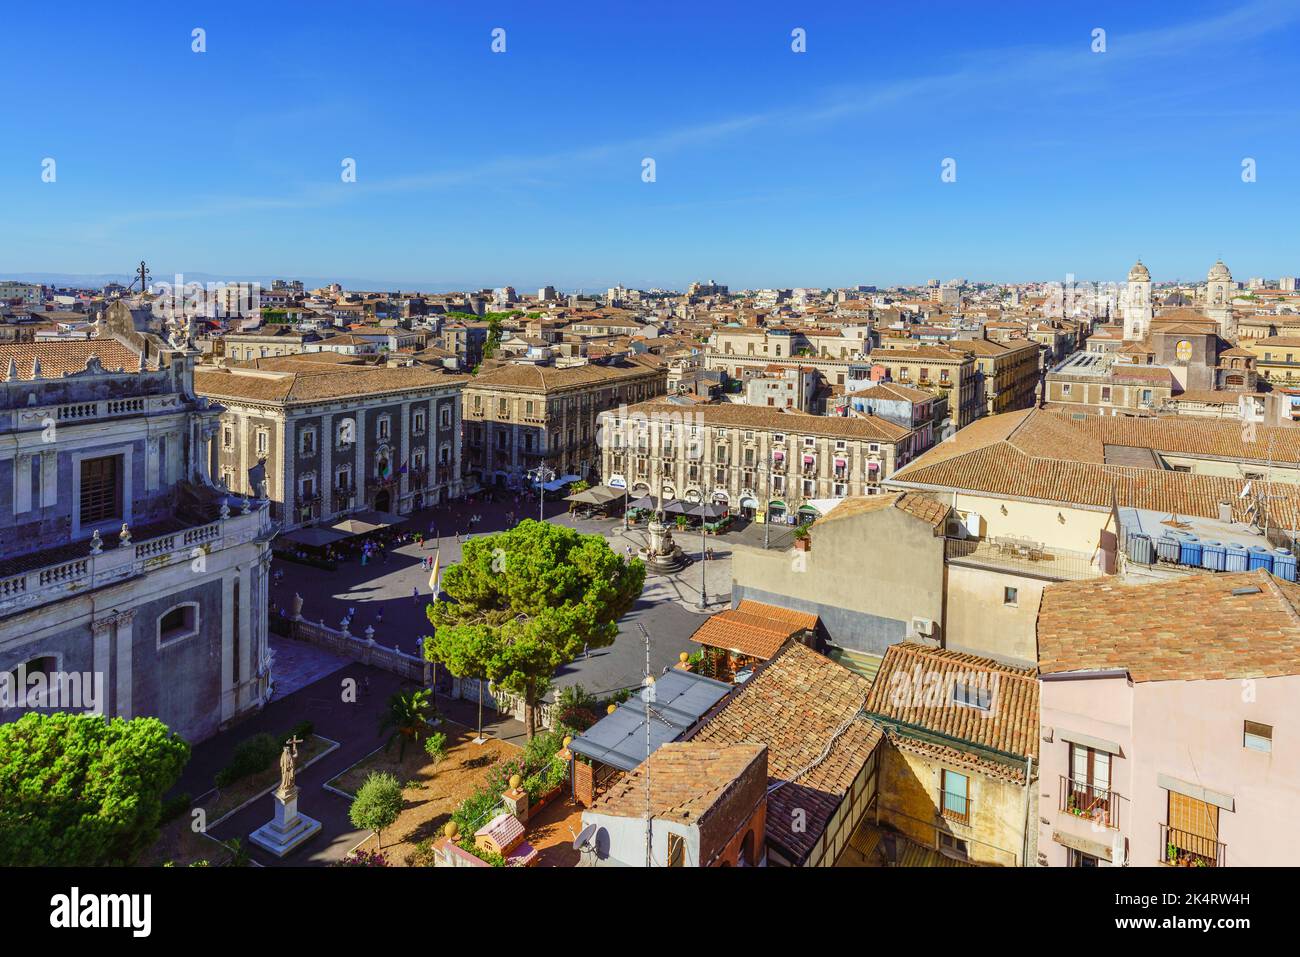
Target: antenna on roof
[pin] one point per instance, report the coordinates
(647, 689)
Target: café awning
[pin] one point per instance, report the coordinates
(599, 495)
(363, 523)
(312, 537)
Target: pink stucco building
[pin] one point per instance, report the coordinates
(1169, 722)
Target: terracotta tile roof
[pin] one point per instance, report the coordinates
(760, 417)
(893, 390)
(753, 628)
(799, 704)
(928, 510)
(534, 378)
(1189, 629)
(918, 354)
(687, 780)
(291, 379)
(1052, 456)
(914, 696)
(66, 356)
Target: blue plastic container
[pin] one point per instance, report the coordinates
(1167, 549)
(1236, 559)
(1284, 565)
(1214, 556)
(1189, 550)
(1260, 557)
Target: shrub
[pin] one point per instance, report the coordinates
(490, 857)
(251, 756)
(422, 856)
(363, 859)
(176, 806)
(435, 746)
(579, 719)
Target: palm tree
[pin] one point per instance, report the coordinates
(406, 718)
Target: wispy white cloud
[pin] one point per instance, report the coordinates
(1036, 70)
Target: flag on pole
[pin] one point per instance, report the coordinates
(433, 575)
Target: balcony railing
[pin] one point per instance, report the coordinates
(1087, 801)
(1017, 555)
(1184, 849)
(43, 585)
(954, 807)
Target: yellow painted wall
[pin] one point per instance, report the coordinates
(909, 802)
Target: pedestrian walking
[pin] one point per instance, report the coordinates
(415, 594)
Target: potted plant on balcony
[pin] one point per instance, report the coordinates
(802, 538)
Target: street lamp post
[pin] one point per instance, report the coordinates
(544, 475)
(704, 562)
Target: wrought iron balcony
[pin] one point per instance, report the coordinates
(1185, 849)
(1087, 801)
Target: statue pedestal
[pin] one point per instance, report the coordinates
(288, 829)
(660, 552)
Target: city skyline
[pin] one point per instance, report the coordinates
(772, 168)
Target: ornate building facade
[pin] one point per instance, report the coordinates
(128, 584)
(331, 435)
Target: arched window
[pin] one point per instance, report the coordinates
(178, 623)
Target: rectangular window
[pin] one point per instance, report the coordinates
(676, 850)
(1258, 737)
(956, 802)
(1089, 767)
(972, 695)
(1010, 596)
(101, 491)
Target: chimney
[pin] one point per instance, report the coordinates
(1225, 512)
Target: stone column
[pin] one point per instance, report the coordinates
(228, 691)
(288, 461)
(456, 421)
(123, 637)
(403, 452)
(326, 483)
(360, 471)
(102, 637)
(49, 479)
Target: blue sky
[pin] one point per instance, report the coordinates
(772, 168)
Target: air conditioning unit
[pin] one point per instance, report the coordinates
(923, 627)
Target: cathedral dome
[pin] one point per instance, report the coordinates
(1139, 273)
(1219, 271)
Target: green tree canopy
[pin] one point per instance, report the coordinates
(527, 601)
(80, 790)
(377, 804)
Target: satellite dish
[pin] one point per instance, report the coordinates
(583, 841)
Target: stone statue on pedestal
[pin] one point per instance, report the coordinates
(287, 766)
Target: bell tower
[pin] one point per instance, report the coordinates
(1137, 303)
(1219, 290)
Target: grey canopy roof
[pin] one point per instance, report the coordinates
(680, 699)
